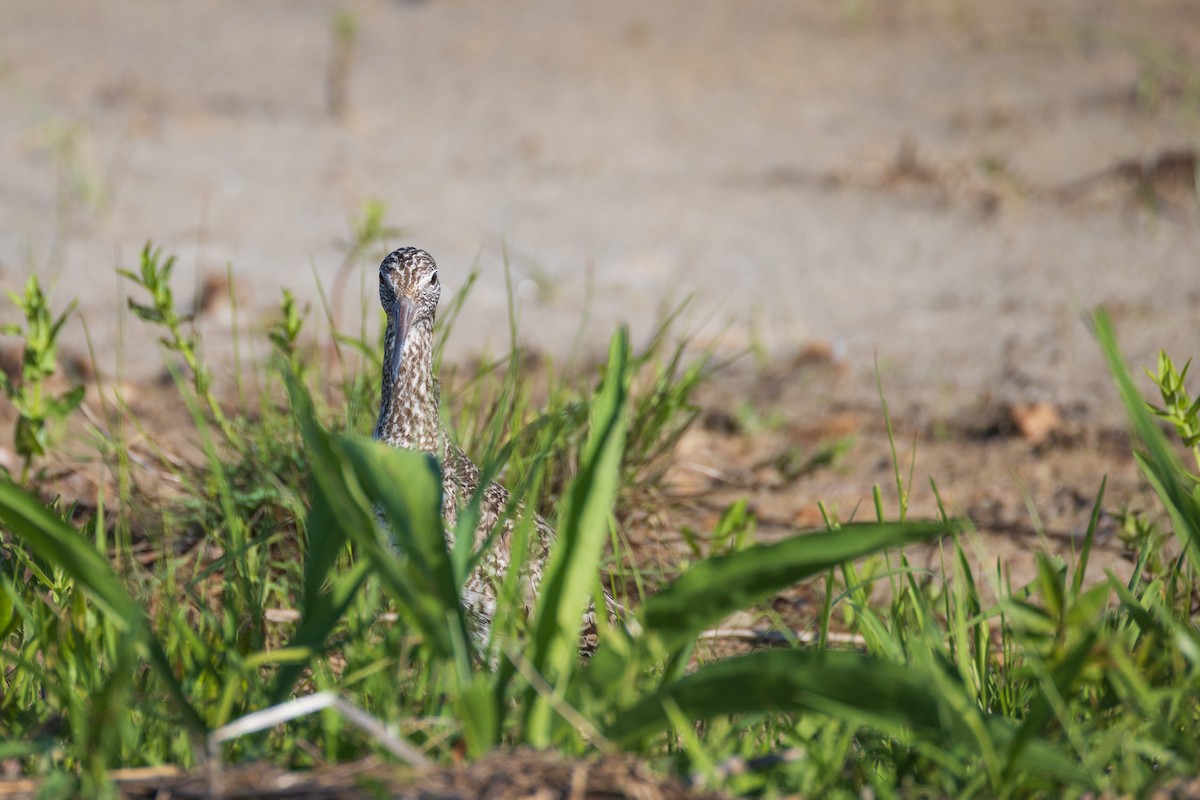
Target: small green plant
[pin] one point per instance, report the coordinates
(735, 530)
(154, 275)
(1177, 408)
(284, 334)
(40, 412)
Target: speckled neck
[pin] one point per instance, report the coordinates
(408, 412)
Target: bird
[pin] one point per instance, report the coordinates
(409, 418)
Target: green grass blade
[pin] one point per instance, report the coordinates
(570, 575)
(319, 615)
(324, 538)
(717, 587)
(1089, 540)
(882, 694)
(1159, 463)
(875, 691)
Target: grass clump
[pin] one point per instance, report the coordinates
(959, 684)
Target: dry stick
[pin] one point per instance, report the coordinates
(303, 706)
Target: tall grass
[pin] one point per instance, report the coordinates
(1073, 684)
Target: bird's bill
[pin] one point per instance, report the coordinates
(401, 315)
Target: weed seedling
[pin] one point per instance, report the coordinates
(155, 277)
(1178, 408)
(40, 412)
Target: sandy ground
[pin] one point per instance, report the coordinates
(935, 183)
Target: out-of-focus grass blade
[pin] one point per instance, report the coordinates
(320, 612)
(717, 587)
(1040, 757)
(1158, 462)
(1089, 540)
(880, 693)
(55, 541)
(325, 535)
(570, 576)
(8, 609)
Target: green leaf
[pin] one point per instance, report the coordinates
(1086, 608)
(30, 437)
(64, 405)
(1159, 464)
(145, 313)
(8, 611)
(58, 323)
(883, 694)
(320, 610)
(570, 577)
(842, 684)
(408, 486)
(715, 588)
(351, 477)
(1051, 584)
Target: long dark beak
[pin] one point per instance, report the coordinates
(400, 314)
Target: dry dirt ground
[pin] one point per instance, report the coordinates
(934, 189)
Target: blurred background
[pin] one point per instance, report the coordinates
(940, 185)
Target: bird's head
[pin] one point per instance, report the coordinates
(409, 292)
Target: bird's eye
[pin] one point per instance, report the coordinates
(433, 280)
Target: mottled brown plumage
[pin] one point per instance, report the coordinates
(409, 418)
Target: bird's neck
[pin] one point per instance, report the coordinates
(408, 407)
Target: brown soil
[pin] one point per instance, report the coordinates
(518, 775)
